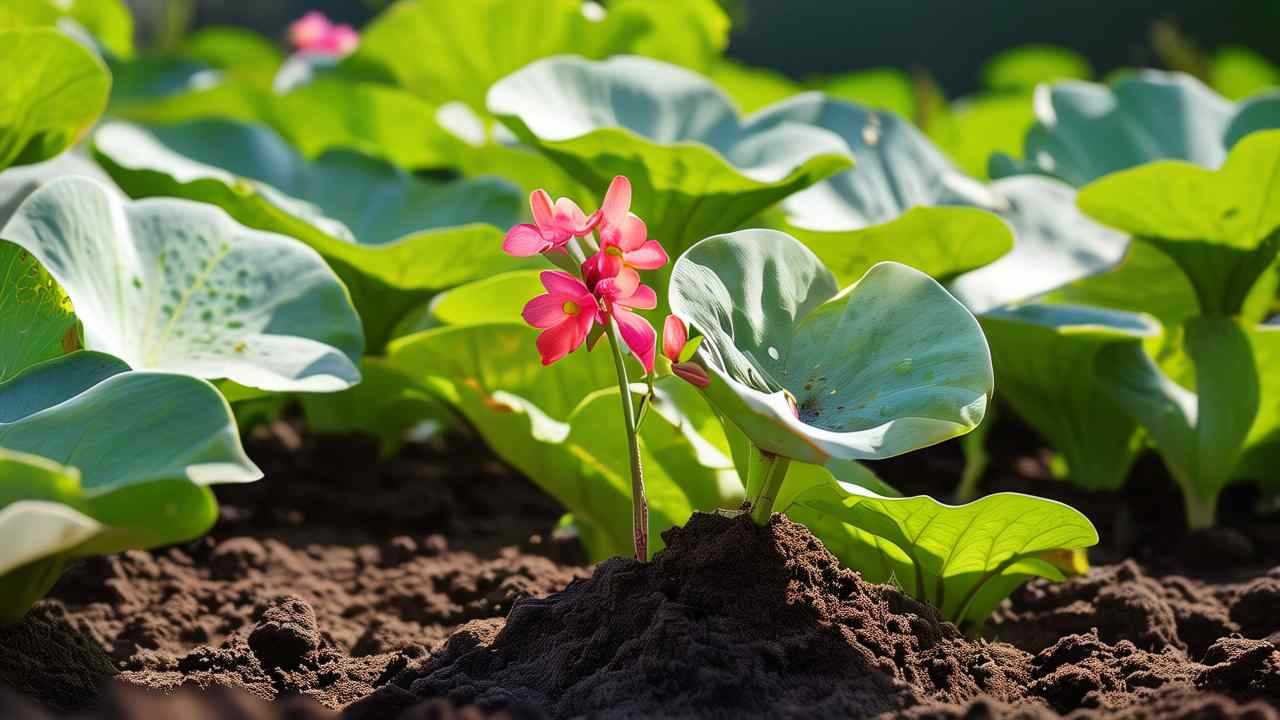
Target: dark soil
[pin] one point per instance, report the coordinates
(348, 587)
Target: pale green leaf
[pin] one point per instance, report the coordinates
(180, 286)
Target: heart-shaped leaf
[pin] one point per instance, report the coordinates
(889, 365)
(1046, 357)
(561, 426)
(1221, 227)
(1262, 447)
(696, 169)
(179, 286)
(889, 209)
(54, 90)
(1084, 131)
(394, 239)
(962, 559)
(141, 447)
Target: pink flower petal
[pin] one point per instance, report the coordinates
(620, 286)
(617, 201)
(674, 337)
(638, 334)
(556, 342)
(544, 311)
(569, 217)
(631, 233)
(642, 298)
(649, 256)
(309, 30)
(524, 241)
(563, 285)
(543, 213)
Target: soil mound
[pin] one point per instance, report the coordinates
(730, 620)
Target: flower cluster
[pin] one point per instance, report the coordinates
(315, 33)
(606, 289)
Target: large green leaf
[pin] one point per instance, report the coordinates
(889, 365)
(888, 209)
(35, 316)
(108, 21)
(1200, 435)
(1046, 357)
(562, 427)
(887, 89)
(146, 446)
(751, 88)
(975, 128)
(1085, 130)
(1221, 227)
(54, 90)
(393, 238)
(696, 169)
(962, 559)
(180, 286)
(447, 52)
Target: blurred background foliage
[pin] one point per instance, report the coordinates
(944, 40)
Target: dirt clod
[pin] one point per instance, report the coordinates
(286, 633)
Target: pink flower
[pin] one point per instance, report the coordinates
(566, 315)
(625, 246)
(553, 226)
(314, 32)
(636, 332)
(674, 338)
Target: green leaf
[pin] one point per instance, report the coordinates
(154, 444)
(696, 169)
(1200, 435)
(950, 556)
(976, 128)
(1238, 72)
(498, 299)
(1221, 227)
(887, 89)
(232, 47)
(751, 88)
(886, 210)
(1023, 68)
(562, 427)
(910, 369)
(464, 65)
(1085, 130)
(1259, 113)
(54, 90)
(394, 239)
(179, 286)
(108, 21)
(1047, 357)
(942, 242)
(35, 317)
(1262, 447)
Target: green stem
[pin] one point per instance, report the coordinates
(639, 503)
(1202, 512)
(775, 469)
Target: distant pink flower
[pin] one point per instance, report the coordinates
(636, 332)
(553, 226)
(314, 33)
(565, 314)
(674, 337)
(625, 246)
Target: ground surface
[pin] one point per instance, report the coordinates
(346, 586)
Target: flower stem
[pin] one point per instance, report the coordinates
(775, 469)
(639, 503)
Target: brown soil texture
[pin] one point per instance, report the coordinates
(321, 581)
(428, 586)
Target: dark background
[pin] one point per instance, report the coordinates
(951, 39)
